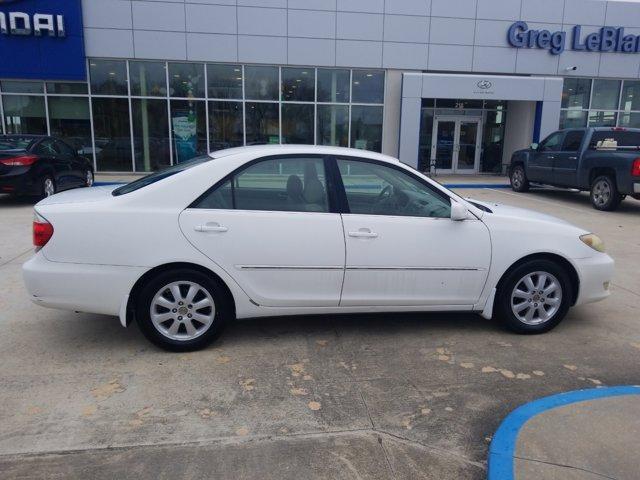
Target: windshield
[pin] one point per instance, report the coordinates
(159, 175)
(15, 143)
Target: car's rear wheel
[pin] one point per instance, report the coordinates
(182, 310)
(47, 186)
(604, 193)
(534, 297)
(88, 178)
(518, 178)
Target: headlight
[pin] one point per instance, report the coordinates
(593, 241)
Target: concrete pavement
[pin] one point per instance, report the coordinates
(368, 396)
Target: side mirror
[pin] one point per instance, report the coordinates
(459, 212)
(534, 146)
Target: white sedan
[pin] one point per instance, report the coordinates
(295, 230)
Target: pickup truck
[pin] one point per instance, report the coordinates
(602, 160)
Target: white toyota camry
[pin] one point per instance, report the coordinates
(292, 230)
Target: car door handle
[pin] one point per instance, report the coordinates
(573, 158)
(551, 157)
(363, 233)
(210, 227)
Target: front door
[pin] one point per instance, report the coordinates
(403, 249)
(456, 145)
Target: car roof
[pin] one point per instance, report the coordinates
(20, 135)
(265, 150)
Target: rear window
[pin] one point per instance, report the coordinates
(159, 175)
(624, 138)
(15, 143)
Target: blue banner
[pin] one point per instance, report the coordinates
(42, 40)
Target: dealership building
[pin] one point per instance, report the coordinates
(451, 86)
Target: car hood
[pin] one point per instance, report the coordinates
(508, 211)
(79, 195)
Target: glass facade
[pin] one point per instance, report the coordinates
(600, 103)
(138, 116)
(491, 115)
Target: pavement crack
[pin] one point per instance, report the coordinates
(7, 262)
(586, 470)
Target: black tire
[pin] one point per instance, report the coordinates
(221, 314)
(45, 186)
(518, 179)
(604, 194)
(513, 278)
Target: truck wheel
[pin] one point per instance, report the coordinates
(518, 178)
(604, 194)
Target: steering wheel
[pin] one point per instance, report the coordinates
(386, 192)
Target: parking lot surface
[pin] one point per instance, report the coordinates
(366, 396)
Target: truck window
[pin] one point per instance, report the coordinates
(552, 143)
(572, 141)
(624, 138)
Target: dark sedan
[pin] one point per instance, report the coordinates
(41, 165)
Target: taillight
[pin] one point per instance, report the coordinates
(635, 167)
(42, 231)
(21, 161)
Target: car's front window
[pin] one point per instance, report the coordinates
(375, 189)
(159, 175)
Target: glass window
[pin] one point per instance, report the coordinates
(374, 189)
(333, 85)
(12, 86)
(282, 184)
(552, 143)
(220, 198)
(148, 79)
(605, 94)
(368, 86)
(630, 99)
(108, 77)
(69, 119)
(63, 149)
(189, 129)
(575, 93)
(262, 123)
(602, 119)
(67, 88)
(186, 80)
(225, 125)
(150, 134)
(24, 114)
(225, 81)
(631, 120)
(366, 128)
(493, 141)
(333, 125)
(112, 134)
(46, 148)
(297, 123)
(261, 83)
(623, 138)
(572, 141)
(573, 118)
(298, 84)
(426, 137)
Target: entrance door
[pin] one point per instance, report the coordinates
(456, 145)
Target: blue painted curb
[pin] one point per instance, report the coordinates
(447, 185)
(503, 445)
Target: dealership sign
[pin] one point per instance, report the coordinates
(605, 39)
(41, 39)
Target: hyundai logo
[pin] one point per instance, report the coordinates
(484, 84)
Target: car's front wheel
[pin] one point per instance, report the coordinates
(518, 178)
(181, 310)
(534, 297)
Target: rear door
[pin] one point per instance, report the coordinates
(565, 163)
(66, 153)
(272, 227)
(541, 162)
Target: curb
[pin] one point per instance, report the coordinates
(503, 445)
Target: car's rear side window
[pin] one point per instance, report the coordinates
(572, 141)
(292, 184)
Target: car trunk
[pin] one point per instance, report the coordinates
(80, 195)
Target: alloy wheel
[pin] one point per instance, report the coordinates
(601, 192)
(182, 310)
(536, 298)
(49, 187)
(89, 179)
(517, 178)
